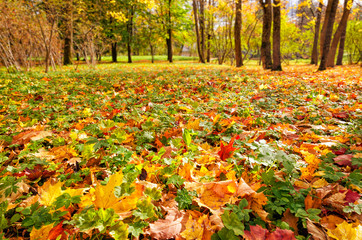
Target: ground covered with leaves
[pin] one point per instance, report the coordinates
(181, 151)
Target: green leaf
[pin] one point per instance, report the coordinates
(232, 222)
(137, 228)
(154, 193)
(356, 178)
(224, 234)
(186, 136)
(119, 231)
(145, 209)
(184, 198)
(176, 180)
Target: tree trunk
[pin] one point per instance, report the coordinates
(152, 53)
(277, 66)
(202, 26)
(237, 31)
(265, 42)
(68, 36)
(199, 51)
(169, 33)
(114, 52)
(130, 35)
(67, 51)
(328, 35)
(324, 27)
(210, 28)
(341, 47)
(314, 59)
(337, 35)
(129, 52)
(47, 56)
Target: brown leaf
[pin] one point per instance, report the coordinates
(316, 232)
(331, 221)
(311, 202)
(292, 220)
(244, 189)
(337, 200)
(25, 137)
(169, 227)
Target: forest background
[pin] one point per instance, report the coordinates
(53, 33)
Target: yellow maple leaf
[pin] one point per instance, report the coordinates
(42, 233)
(194, 229)
(345, 230)
(103, 196)
(320, 183)
(49, 192)
(333, 97)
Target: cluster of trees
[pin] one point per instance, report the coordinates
(54, 33)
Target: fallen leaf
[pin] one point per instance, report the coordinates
(330, 221)
(31, 135)
(341, 115)
(57, 231)
(226, 151)
(49, 192)
(256, 233)
(352, 196)
(344, 231)
(292, 220)
(344, 160)
(169, 227)
(281, 234)
(42, 233)
(316, 232)
(194, 229)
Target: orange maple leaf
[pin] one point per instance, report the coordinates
(227, 151)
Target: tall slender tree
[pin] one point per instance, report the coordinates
(265, 42)
(169, 33)
(237, 31)
(328, 33)
(337, 35)
(200, 40)
(341, 47)
(68, 32)
(314, 58)
(277, 65)
(130, 33)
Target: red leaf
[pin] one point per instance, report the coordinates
(352, 196)
(341, 115)
(227, 151)
(35, 173)
(256, 233)
(56, 231)
(343, 160)
(340, 151)
(281, 234)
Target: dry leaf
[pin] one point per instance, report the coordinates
(316, 232)
(169, 227)
(292, 220)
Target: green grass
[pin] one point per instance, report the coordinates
(157, 58)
